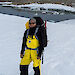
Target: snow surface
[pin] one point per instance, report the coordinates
(4, 3)
(59, 56)
(46, 6)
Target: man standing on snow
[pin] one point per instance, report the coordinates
(32, 48)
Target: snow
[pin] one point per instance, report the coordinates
(11, 33)
(46, 6)
(51, 6)
(60, 53)
(59, 56)
(5, 3)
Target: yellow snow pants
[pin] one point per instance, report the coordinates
(30, 55)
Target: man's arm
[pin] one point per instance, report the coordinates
(41, 48)
(23, 44)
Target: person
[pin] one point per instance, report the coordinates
(32, 48)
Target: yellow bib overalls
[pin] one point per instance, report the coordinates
(31, 52)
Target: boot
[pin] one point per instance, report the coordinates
(36, 70)
(23, 69)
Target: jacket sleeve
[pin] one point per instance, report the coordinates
(41, 48)
(24, 42)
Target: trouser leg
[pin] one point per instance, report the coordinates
(23, 69)
(25, 61)
(36, 62)
(36, 70)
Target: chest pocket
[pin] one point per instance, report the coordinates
(32, 42)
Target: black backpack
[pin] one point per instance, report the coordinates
(40, 23)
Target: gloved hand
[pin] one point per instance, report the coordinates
(21, 55)
(38, 57)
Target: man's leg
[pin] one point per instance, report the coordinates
(36, 70)
(36, 62)
(25, 61)
(23, 69)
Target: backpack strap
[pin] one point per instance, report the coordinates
(36, 30)
(27, 33)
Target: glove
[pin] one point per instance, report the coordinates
(38, 57)
(21, 55)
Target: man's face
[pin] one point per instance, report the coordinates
(32, 24)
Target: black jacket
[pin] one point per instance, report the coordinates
(38, 34)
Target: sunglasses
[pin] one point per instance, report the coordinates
(32, 23)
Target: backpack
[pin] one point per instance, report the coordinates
(40, 23)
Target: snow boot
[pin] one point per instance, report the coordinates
(36, 70)
(23, 69)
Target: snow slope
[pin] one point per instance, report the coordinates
(60, 53)
(45, 6)
(59, 56)
(5, 3)
(11, 33)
